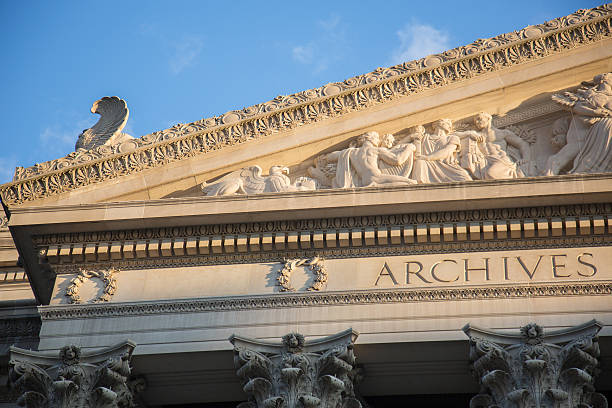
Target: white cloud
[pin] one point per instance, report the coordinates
(185, 52)
(7, 169)
(59, 140)
(303, 53)
(418, 41)
(327, 46)
(181, 52)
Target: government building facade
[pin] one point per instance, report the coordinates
(436, 233)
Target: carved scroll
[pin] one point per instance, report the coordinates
(536, 370)
(73, 379)
(297, 374)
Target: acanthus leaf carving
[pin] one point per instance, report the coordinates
(295, 373)
(73, 379)
(534, 369)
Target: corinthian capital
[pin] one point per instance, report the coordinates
(295, 373)
(534, 369)
(72, 379)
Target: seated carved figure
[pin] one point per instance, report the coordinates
(569, 144)
(358, 165)
(486, 155)
(591, 109)
(388, 141)
(437, 162)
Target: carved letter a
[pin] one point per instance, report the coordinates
(382, 273)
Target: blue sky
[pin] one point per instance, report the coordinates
(180, 61)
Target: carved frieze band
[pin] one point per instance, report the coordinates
(286, 112)
(376, 240)
(306, 299)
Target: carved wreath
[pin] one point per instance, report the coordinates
(107, 276)
(317, 266)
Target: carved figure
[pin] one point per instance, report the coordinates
(486, 155)
(250, 181)
(294, 342)
(568, 142)
(437, 162)
(114, 114)
(591, 110)
(403, 169)
(359, 166)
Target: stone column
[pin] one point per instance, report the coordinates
(72, 379)
(533, 369)
(295, 373)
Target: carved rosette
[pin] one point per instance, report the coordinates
(72, 379)
(316, 265)
(297, 374)
(536, 370)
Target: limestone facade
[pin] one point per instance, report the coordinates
(439, 229)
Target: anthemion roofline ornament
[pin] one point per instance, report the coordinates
(105, 162)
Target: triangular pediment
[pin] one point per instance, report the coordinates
(511, 77)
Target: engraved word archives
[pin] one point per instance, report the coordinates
(489, 268)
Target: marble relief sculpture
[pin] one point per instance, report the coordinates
(358, 166)
(438, 162)
(442, 156)
(569, 144)
(486, 155)
(590, 130)
(250, 181)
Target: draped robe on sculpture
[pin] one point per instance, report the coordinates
(439, 171)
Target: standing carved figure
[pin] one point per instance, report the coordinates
(591, 110)
(438, 160)
(488, 157)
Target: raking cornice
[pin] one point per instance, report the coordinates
(287, 112)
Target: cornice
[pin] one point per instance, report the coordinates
(329, 203)
(582, 225)
(323, 299)
(286, 112)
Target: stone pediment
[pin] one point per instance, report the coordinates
(511, 76)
